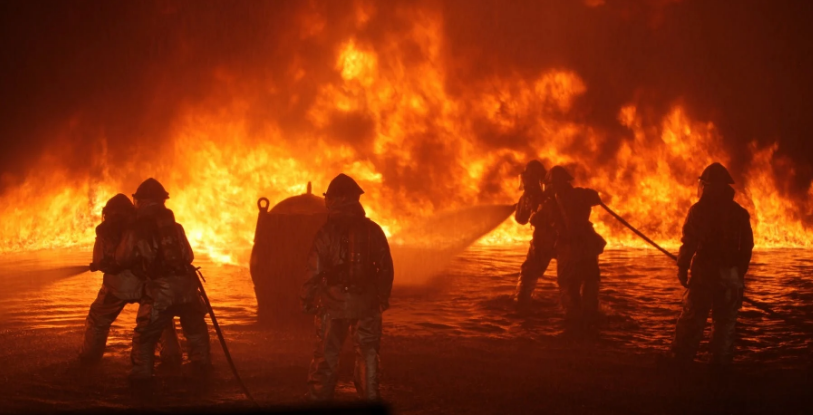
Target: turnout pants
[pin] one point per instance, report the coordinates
(331, 334)
(102, 314)
(536, 262)
(723, 298)
(578, 289)
(150, 324)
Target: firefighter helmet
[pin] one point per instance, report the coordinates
(534, 168)
(558, 175)
(343, 185)
(716, 173)
(118, 204)
(151, 189)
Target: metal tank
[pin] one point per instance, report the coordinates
(282, 240)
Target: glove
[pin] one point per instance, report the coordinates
(93, 267)
(683, 277)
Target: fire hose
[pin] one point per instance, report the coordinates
(220, 337)
(757, 304)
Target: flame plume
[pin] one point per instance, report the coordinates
(387, 93)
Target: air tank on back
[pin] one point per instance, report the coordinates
(282, 240)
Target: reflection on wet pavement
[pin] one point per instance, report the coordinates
(640, 300)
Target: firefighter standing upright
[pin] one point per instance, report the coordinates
(717, 244)
(535, 206)
(155, 247)
(349, 280)
(577, 249)
(119, 286)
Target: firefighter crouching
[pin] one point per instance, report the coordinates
(349, 280)
(119, 286)
(155, 247)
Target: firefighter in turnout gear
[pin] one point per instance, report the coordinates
(577, 249)
(537, 207)
(349, 279)
(155, 247)
(119, 286)
(717, 244)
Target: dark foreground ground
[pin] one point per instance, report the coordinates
(452, 345)
(437, 375)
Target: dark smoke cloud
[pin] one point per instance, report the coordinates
(76, 72)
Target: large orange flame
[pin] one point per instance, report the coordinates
(220, 165)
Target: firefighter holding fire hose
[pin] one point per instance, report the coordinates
(155, 247)
(577, 249)
(349, 280)
(535, 206)
(119, 286)
(717, 244)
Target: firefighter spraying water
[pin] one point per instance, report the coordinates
(155, 247)
(537, 207)
(120, 286)
(577, 249)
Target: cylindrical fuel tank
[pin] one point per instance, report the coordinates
(282, 240)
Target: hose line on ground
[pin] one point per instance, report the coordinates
(221, 338)
(757, 304)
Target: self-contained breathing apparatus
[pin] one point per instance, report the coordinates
(110, 235)
(162, 248)
(107, 264)
(117, 215)
(356, 271)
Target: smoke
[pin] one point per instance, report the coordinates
(78, 74)
(105, 88)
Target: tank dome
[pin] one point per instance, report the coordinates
(304, 204)
(282, 240)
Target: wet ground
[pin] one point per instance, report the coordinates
(452, 345)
